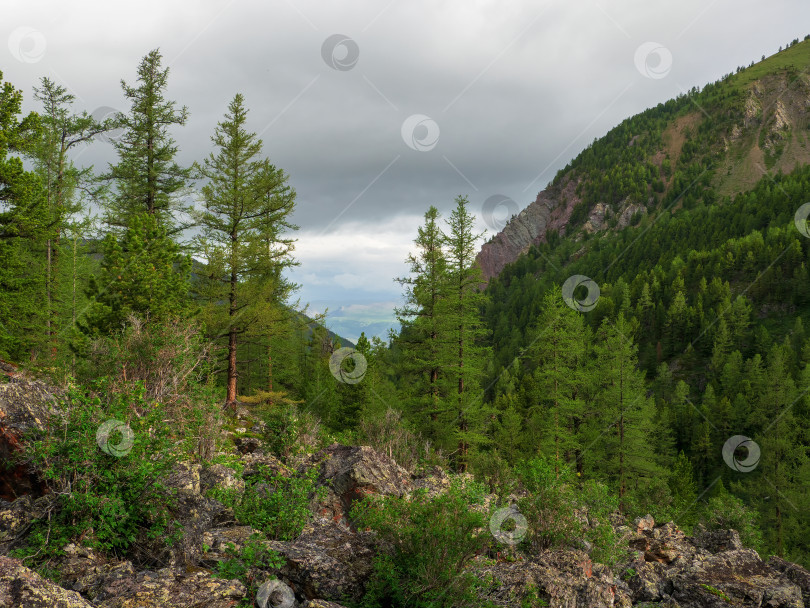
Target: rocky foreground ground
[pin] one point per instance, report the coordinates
(329, 563)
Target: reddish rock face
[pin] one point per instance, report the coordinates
(550, 211)
(25, 405)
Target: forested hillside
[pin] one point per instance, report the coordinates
(171, 418)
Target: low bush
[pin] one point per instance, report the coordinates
(276, 505)
(108, 500)
(431, 540)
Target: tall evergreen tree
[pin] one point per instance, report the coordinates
(148, 183)
(424, 336)
(244, 222)
(62, 131)
(463, 310)
(23, 230)
(147, 177)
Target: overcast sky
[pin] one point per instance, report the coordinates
(378, 110)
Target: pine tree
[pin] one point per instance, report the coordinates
(62, 131)
(247, 206)
(147, 178)
(424, 336)
(558, 348)
(23, 230)
(463, 310)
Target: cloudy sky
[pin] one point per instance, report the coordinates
(379, 109)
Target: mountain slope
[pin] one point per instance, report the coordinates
(706, 144)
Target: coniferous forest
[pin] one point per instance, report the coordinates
(658, 365)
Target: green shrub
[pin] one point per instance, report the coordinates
(104, 501)
(241, 565)
(550, 507)
(725, 511)
(557, 505)
(274, 504)
(432, 539)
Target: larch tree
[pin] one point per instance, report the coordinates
(623, 451)
(141, 252)
(558, 349)
(423, 338)
(468, 356)
(62, 131)
(247, 203)
(23, 229)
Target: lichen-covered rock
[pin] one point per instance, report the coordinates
(17, 516)
(351, 472)
(794, 573)
(25, 406)
(563, 579)
(321, 604)
(218, 476)
(327, 561)
(738, 577)
(24, 588)
(166, 589)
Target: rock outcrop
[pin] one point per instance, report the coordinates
(551, 210)
(25, 406)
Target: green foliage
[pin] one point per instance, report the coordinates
(241, 564)
(276, 505)
(111, 503)
(562, 513)
(433, 539)
(725, 511)
(23, 231)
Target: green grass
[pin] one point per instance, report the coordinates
(797, 56)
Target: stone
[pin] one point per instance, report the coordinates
(21, 587)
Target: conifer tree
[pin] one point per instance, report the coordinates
(625, 453)
(148, 183)
(147, 177)
(424, 336)
(463, 309)
(244, 222)
(62, 131)
(23, 230)
(559, 343)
